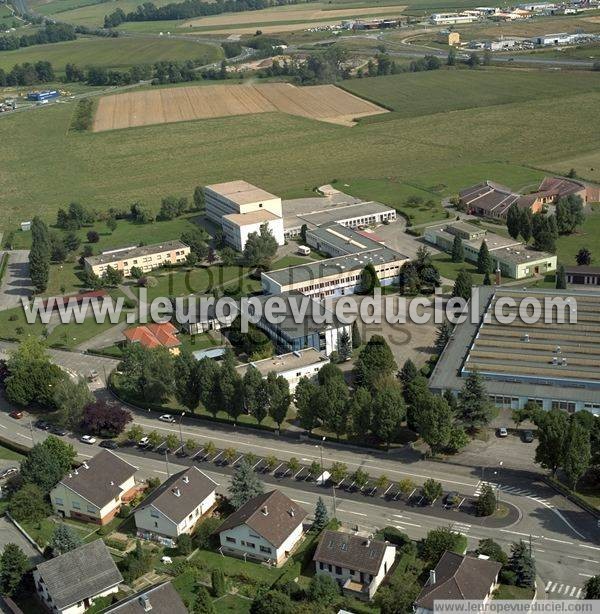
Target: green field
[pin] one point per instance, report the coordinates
(112, 52)
(47, 166)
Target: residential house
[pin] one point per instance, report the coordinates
(458, 577)
(359, 564)
(583, 275)
(154, 335)
(488, 199)
(160, 599)
(267, 528)
(69, 583)
(146, 258)
(559, 187)
(174, 508)
(95, 491)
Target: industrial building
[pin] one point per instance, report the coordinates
(240, 208)
(552, 364)
(146, 258)
(336, 240)
(512, 258)
(439, 19)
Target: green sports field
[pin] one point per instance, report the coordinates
(112, 52)
(47, 166)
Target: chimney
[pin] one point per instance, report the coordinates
(498, 276)
(265, 510)
(112, 483)
(177, 492)
(186, 479)
(292, 513)
(144, 601)
(432, 578)
(368, 543)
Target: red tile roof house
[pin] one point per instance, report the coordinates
(457, 577)
(154, 335)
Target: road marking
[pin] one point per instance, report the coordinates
(560, 589)
(25, 436)
(517, 533)
(560, 541)
(548, 585)
(573, 591)
(578, 594)
(161, 472)
(578, 558)
(350, 512)
(411, 524)
(591, 547)
(303, 502)
(560, 516)
(3, 427)
(586, 575)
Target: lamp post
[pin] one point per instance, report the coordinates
(180, 431)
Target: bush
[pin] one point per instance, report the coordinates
(184, 544)
(129, 303)
(217, 580)
(124, 511)
(82, 118)
(203, 537)
(117, 544)
(395, 536)
(508, 576)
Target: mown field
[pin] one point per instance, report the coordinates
(414, 94)
(44, 166)
(112, 52)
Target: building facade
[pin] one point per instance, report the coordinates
(583, 275)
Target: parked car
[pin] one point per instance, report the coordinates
(16, 414)
(87, 439)
(166, 560)
(144, 442)
(452, 499)
(167, 418)
(42, 425)
(58, 430)
(5, 473)
(527, 436)
(502, 432)
(111, 444)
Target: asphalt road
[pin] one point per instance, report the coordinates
(16, 282)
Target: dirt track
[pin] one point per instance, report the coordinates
(323, 102)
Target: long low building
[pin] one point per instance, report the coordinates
(146, 258)
(513, 258)
(554, 365)
(336, 240)
(292, 366)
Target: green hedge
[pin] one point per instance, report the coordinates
(3, 265)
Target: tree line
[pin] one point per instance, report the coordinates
(49, 33)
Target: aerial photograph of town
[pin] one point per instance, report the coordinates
(299, 306)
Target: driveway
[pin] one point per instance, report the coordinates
(9, 534)
(16, 282)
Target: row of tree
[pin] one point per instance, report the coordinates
(49, 33)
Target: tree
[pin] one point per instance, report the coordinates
(484, 260)
(376, 360)
(293, 465)
(592, 588)
(230, 454)
(92, 236)
(207, 375)
(112, 277)
(28, 504)
(408, 372)
(187, 391)
(148, 374)
(245, 485)
(561, 278)
(217, 581)
(463, 285)
(272, 602)
(488, 547)
(13, 565)
(389, 411)
(105, 418)
(541, 231)
(584, 257)
(522, 564)
(458, 252)
(278, 390)
(434, 422)
(231, 387)
(356, 338)
(474, 405)
(438, 541)
(473, 61)
(198, 198)
(513, 221)
(331, 405)
(382, 482)
(111, 224)
(338, 472)
(577, 452)
(209, 448)
(321, 515)
(323, 589)
(255, 399)
(202, 601)
(360, 478)
(569, 213)
(172, 442)
(552, 430)
(47, 463)
(184, 544)
(64, 539)
(260, 248)
(444, 331)
(369, 279)
(451, 60)
(70, 399)
(135, 433)
(39, 255)
(344, 346)
(191, 445)
(525, 226)
(487, 281)
(486, 502)
(360, 412)
(304, 399)
(399, 594)
(406, 486)
(432, 490)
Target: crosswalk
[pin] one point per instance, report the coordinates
(567, 591)
(512, 490)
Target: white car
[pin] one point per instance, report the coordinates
(88, 439)
(502, 432)
(166, 560)
(167, 418)
(144, 442)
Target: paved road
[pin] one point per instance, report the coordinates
(16, 282)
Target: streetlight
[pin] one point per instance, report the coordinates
(180, 432)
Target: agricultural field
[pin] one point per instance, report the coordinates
(112, 52)
(47, 166)
(414, 94)
(324, 102)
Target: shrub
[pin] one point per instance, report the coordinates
(184, 544)
(395, 536)
(203, 537)
(82, 117)
(117, 544)
(508, 576)
(93, 236)
(217, 580)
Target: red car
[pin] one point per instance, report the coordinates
(17, 415)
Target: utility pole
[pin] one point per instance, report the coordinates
(180, 432)
(31, 430)
(334, 504)
(167, 463)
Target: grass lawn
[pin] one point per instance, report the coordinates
(288, 261)
(6, 454)
(513, 592)
(232, 604)
(588, 236)
(290, 155)
(450, 269)
(111, 52)
(42, 531)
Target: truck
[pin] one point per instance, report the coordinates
(43, 96)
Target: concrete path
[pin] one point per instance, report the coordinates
(104, 339)
(16, 282)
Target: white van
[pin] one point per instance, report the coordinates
(303, 250)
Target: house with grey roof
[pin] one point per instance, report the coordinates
(457, 577)
(159, 599)
(69, 583)
(175, 507)
(358, 564)
(95, 491)
(267, 528)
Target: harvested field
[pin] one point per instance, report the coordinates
(322, 102)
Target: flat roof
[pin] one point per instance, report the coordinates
(520, 254)
(343, 238)
(134, 252)
(312, 271)
(513, 366)
(241, 192)
(285, 362)
(252, 217)
(343, 212)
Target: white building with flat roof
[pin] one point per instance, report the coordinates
(240, 208)
(439, 19)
